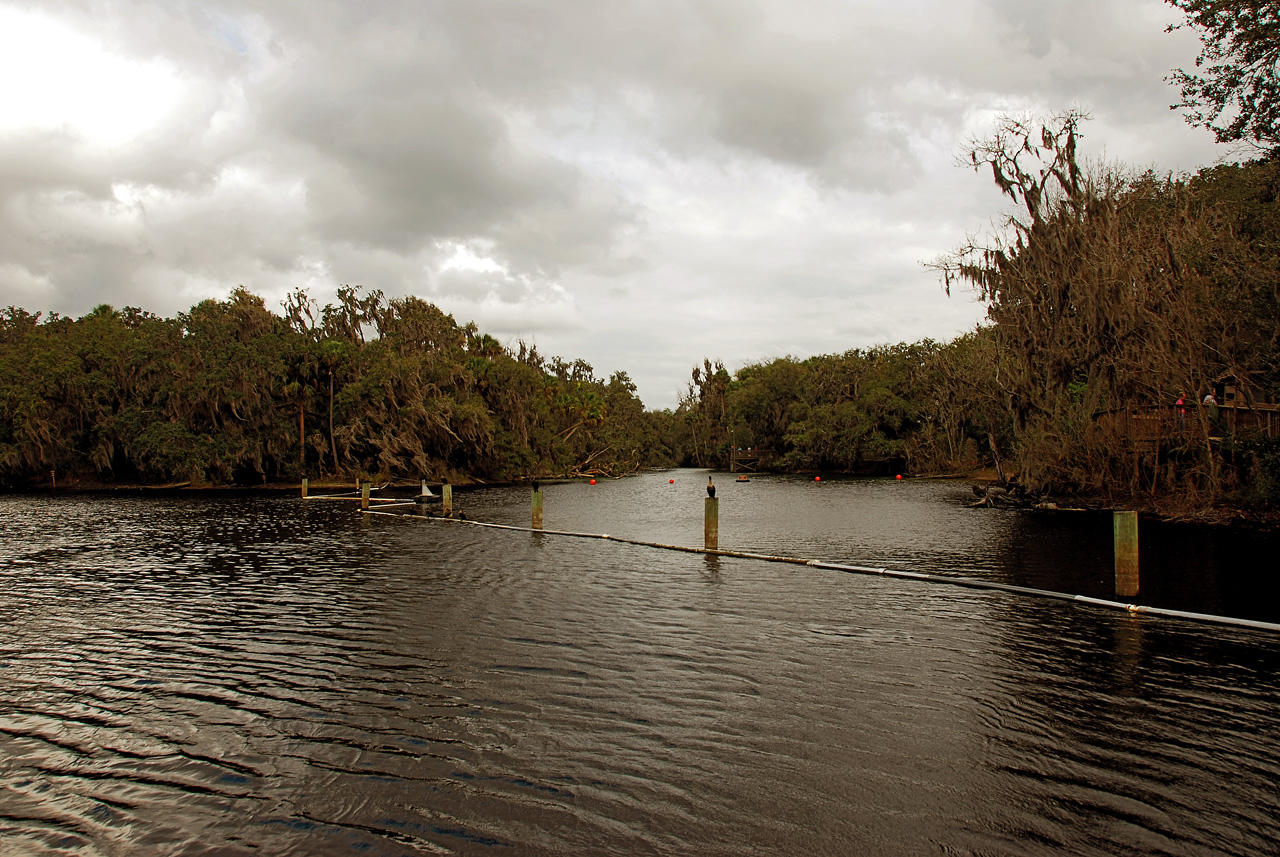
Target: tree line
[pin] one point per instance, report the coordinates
(234, 393)
(1108, 293)
(888, 409)
(231, 392)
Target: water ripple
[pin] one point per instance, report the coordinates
(263, 676)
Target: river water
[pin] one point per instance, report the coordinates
(266, 676)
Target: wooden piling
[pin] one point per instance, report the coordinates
(304, 488)
(446, 499)
(364, 495)
(1125, 528)
(537, 506)
(711, 525)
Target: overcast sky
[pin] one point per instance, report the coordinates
(637, 183)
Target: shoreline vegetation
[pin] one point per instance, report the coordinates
(983, 482)
(1116, 304)
(1086, 388)
(232, 397)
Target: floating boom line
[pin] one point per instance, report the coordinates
(924, 577)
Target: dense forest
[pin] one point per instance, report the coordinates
(232, 392)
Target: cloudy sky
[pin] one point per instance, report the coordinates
(638, 183)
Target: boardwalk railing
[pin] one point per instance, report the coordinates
(1157, 428)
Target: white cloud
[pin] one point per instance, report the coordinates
(59, 79)
(465, 258)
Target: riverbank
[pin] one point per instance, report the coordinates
(1171, 510)
(324, 484)
(981, 479)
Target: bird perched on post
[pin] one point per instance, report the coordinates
(711, 487)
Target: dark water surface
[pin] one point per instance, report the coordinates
(264, 676)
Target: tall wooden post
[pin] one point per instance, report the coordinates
(364, 495)
(537, 506)
(446, 499)
(711, 525)
(1125, 527)
(304, 488)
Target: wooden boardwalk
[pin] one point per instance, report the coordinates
(1156, 428)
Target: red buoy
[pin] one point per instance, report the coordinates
(672, 481)
(817, 479)
(899, 477)
(593, 482)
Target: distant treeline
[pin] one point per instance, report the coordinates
(890, 409)
(233, 393)
(1110, 297)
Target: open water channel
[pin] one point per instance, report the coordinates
(252, 675)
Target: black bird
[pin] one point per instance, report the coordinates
(711, 487)
(536, 486)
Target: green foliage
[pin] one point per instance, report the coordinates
(1235, 88)
(169, 452)
(921, 406)
(1266, 475)
(1111, 295)
(231, 392)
